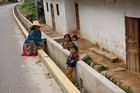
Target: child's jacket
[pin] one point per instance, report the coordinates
(75, 57)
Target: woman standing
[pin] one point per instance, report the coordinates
(33, 41)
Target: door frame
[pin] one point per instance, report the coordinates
(53, 17)
(127, 43)
(77, 16)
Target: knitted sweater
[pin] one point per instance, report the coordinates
(35, 36)
(74, 57)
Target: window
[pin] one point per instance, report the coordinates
(47, 6)
(57, 8)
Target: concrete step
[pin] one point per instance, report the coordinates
(109, 56)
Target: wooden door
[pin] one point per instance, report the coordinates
(53, 17)
(132, 44)
(77, 16)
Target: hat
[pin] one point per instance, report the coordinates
(35, 23)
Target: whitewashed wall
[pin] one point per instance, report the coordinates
(70, 15)
(61, 25)
(48, 17)
(66, 21)
(103, 22)
(60, 21)
(1, 0)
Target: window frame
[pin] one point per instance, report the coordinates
(47, 6)
(57, 9)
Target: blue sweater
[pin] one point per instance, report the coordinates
(35, 36)
(75, 43)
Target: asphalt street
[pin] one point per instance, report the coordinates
(20, 74)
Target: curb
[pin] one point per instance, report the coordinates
(60, 77)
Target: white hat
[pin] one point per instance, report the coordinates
(35, 23)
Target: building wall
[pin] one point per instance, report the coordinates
(103, 22)
(66, 21)
(60, 21)
(48, 17)
(70, 15)
(1, 0)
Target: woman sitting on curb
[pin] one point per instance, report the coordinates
(33, 41)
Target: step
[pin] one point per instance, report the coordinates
(109, 56)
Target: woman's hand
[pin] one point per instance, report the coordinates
(39, 47)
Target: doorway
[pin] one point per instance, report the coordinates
(53, 17)
(133, 44)
(77, 16)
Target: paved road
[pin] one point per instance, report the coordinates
(20, 74)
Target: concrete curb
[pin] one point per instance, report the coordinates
(63, 81)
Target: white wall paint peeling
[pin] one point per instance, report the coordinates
(70, 15)
(105, 22)
(101, 21)
(48, 17)
(60, 21)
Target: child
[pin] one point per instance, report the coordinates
(67, 42)
(74, 40)
(71, 61)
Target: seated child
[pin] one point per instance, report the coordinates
(71, 61)
(74, 40)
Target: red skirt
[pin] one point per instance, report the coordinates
(29, 49)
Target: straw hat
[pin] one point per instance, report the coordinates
(35, 23)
